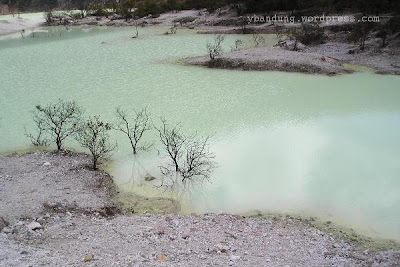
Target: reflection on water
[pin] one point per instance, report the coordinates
(322, 146)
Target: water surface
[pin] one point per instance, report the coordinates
(285, 142)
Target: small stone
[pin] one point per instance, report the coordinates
(234, 258)
(149, 178)
(41, 220)
(6, 230)
(222, 249)
(46, 164)
(3, 223)
(34, 226)
(162, 258)
(88, 257)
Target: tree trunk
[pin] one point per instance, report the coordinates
(94, 163)
(59, 144)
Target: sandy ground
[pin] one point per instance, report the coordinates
(54, 212)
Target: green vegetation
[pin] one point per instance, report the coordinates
(141, 8)
(310, 34)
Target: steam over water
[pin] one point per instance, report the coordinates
(284, 142)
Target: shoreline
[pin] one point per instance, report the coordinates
(38, 224)
(329, 58)
(272, 59)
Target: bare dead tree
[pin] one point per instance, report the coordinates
(135, 127)
(136, 33)
(279, 31)
(237, 46)
(93, 134)
(38, 138)
(258, 39)
(60, 120)
(190, 159)
(172, 30)
(48, 17)
(215, 49)
(172, 141)
(198, 161)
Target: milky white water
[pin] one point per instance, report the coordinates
(284, 142)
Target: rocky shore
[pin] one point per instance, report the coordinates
(273, 59)
(56, 212)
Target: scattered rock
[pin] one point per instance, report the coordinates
(46, 164)
(88, 257)
(6, 230)
(149, 178)
(163, 258)
(34, 226)
(3, 223)
(234, 258)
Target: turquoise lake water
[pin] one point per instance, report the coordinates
(284, 142)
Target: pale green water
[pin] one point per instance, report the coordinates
(322, 146)
(23, 16)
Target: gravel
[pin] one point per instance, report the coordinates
(33, 183)
(73, 236)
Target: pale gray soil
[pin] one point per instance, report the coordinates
(65, 234)
(30, 182)
(382, 60)
(273, 59)
(17, 24)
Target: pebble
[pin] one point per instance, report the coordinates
(34, 226)
(234, 258)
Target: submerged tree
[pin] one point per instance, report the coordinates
(189, 157)
(135, 127)
(238, 44)
(60, 120)
(215, 49)
(94, 135)
(136, 33)
(258, 39)
(172, 30)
